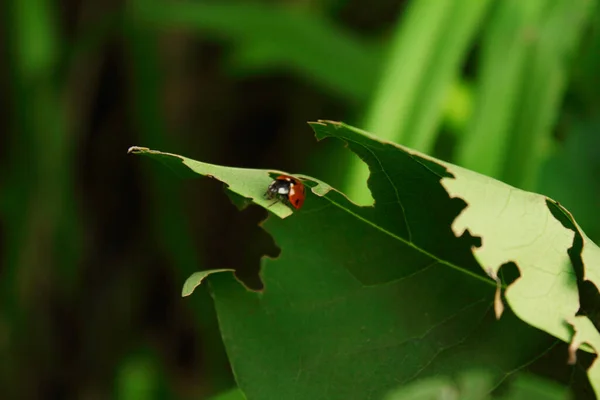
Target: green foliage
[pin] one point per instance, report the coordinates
(400, 284)
(522, 77)
(301, 39)
(139, 378)
(571, 175)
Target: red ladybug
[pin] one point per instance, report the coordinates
(288, 190)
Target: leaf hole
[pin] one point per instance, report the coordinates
(589, 296)
(228, 238)
(508, 273)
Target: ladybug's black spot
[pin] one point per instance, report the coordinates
(297, 201)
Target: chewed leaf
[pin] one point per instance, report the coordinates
(590, 254)
(409, 285)
(518, 226)
(512, 225)
(586, 332)
(249, 183)
(411, 206)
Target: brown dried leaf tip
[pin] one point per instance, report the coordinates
(573, 346)
(498, 304)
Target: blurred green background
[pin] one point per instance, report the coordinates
(96, 244)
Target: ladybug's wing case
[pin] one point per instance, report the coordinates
(300, 199)
(297, 195)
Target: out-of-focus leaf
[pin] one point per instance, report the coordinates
(518, 95)
(528, 387)
(486, 143)
(279, 36)
(394, 285)
(471, 385)
(37, 39)
(458, 106)
(139, 378)
(544, 83)
(427, 389)
(571, 176)
(460, 27)
(477, 385)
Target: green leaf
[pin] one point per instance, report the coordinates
(518, 226)
(249, 183)
(196, 279)
(403, 286)
(233, 394)
(514, 226)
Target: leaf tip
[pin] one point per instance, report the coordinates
(326, 122)
(572, 351)
(498, 304)
(336, 124)
(574, 344)
(137, 150)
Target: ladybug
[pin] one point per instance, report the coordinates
(287, 189)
